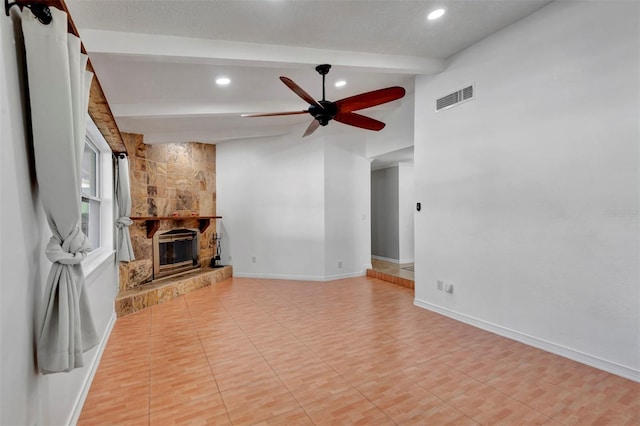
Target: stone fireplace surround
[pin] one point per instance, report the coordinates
(168, 180)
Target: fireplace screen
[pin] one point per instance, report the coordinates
(175, 251)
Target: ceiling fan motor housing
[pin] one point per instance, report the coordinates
(323, 69)
(324, 114)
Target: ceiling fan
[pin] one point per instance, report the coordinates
(324, 111)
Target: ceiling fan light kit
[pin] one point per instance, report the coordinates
(324, 111)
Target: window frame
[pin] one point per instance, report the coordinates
(105, 189)
(98, 190)
(89, 142)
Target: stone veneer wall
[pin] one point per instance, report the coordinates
(168, 179)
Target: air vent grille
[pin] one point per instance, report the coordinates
(455, 98)
(447, 101)
(467, 93)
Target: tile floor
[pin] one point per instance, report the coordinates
(355, 351)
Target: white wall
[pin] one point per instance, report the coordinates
(530, 191)
(347, 206)
(26, 397)
(384, 214)
(406, 208)
(398, 132)
(272, 195)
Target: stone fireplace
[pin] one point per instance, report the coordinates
(175, 183)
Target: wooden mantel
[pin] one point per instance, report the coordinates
(153, 222)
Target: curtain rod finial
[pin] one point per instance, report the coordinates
(7, 6)
(40, 10)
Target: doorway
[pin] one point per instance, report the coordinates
(392, 202)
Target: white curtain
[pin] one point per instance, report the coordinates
(123, 195)
(59, 94)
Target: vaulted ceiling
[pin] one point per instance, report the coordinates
(158, 60)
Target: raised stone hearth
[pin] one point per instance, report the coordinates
(165, 289)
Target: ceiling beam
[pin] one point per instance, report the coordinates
(214, 137)
(153, 47)
(145, 110)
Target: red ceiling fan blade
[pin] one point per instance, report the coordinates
(312, 128)
(298, 91)
(369, 99)
(271, 114)
(357, 120)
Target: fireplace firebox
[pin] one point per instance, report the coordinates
(175, 251)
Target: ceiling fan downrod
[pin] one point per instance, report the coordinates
(327, 109)
(323, 70)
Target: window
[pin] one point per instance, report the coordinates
(97, 197)
(91, 193)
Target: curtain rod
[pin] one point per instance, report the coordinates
(39, 9)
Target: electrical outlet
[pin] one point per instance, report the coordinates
(439, 284)
(448, 288)
(340, 264)
(253, 259)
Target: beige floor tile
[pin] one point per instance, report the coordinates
(259, 401)
(348, 407)
(270, 352)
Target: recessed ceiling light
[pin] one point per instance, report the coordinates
(223, 81)
(340, 83)
(435, 14)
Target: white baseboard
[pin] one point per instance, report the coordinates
(77, 407)
(298, 277)
(608, 366)
(386, 259)
(343, 276)
(390, 260)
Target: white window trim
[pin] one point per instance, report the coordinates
(98, 170)
(106, 194)
(97, 178)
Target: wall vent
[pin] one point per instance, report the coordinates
(455, 98)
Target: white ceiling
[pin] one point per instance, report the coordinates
(158, 60)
